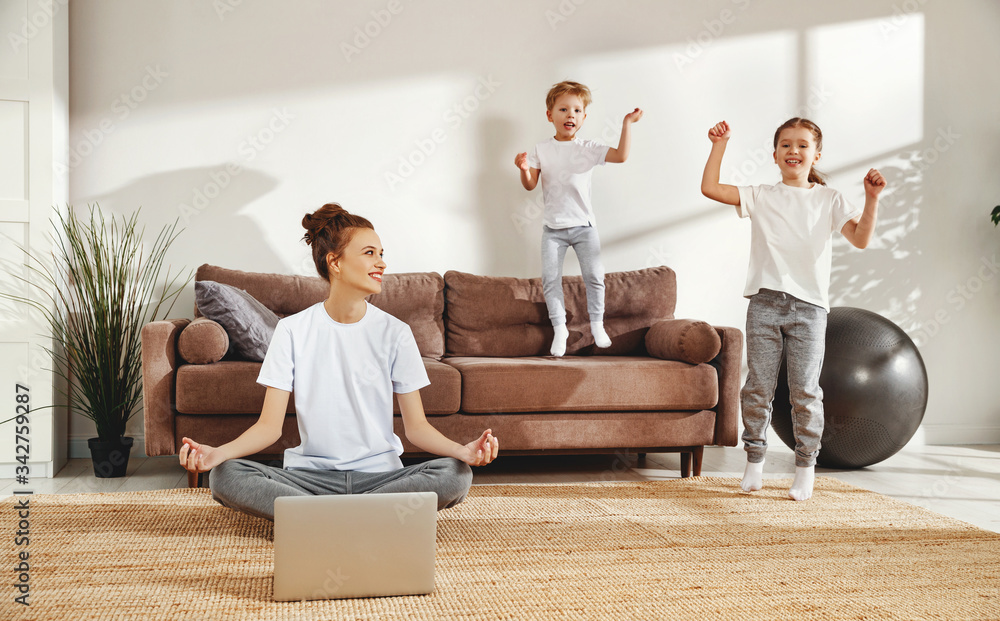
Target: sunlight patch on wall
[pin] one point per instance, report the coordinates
(685, 88)
(874, 72)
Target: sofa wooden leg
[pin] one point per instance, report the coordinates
(685, 465)
(697, 456)
(194, 479)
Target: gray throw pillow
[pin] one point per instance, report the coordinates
(249, 324)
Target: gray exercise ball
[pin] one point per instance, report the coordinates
(874, 391)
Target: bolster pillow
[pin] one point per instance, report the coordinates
(203, 341)
(688, 340)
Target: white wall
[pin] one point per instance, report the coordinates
(239, 121)
(34, 125)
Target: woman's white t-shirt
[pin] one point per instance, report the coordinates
(343, 377)
(791, 245)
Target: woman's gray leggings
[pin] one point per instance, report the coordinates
(251, 487)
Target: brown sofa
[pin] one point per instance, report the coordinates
(664, 385)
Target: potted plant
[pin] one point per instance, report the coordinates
(102, 287)
(996, 215)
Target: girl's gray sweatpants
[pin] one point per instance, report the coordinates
(251, 487)
(778, 323)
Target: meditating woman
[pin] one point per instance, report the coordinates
(344, 359)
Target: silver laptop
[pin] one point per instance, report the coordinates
(364, 545)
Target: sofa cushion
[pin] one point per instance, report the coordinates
(417, 299)
(203, 341)
(584, 384)
(507, 317)
(578, 432)
(230, 387)
(249, 324)
(688, 340)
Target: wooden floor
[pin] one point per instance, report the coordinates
(962, 482)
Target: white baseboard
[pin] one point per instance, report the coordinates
(78, 449)
(37, 470)
(961, 434)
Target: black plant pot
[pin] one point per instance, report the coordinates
(110, 457)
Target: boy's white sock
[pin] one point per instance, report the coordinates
(802, 486)
(753, 477)
(601, 338)
(559, 340)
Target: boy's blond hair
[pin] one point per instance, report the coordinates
(573, 88)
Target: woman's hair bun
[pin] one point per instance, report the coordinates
(328, 230)
(315, 223)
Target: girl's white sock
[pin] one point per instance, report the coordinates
(753, 477)
(802, 485)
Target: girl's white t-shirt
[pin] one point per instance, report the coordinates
(343, 377)
(791, 243)
(566, 168)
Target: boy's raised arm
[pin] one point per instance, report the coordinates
(710, 186)
(619, 155)
(529, 175)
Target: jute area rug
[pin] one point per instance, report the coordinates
(686, 549)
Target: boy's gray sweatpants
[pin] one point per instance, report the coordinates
(780, 323)
(587, 245)
(251, 487)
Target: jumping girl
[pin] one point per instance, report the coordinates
(788, 283)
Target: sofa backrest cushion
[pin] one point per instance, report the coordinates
(507, 317)
(416, 298)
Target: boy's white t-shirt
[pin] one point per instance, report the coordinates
(343, 377)
(791, 243)
(566, 168)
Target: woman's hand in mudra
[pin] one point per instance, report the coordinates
(483, 450)
(199, 457)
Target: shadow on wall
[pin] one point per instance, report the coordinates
(885, 277)
(507, 251)
(206, 202)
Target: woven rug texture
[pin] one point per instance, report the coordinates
(693, 548)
